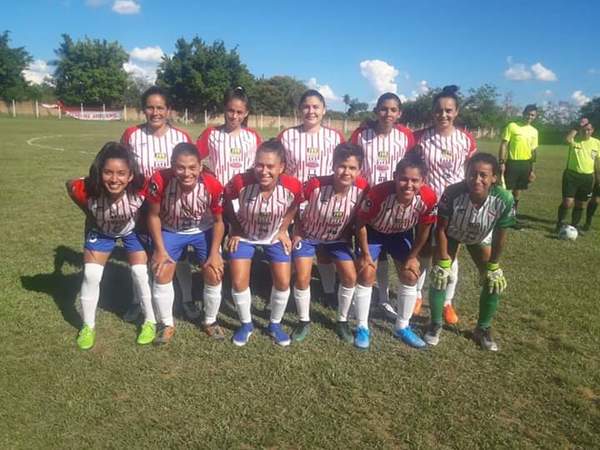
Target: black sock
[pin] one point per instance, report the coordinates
(591, 210)
(576, 216)
(562, 213)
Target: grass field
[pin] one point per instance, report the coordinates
(541, 391)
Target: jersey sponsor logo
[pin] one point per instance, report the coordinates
(383, 167)
(235, 151)
(312, 164)
(383, 154)
(264, 218)
(312, 154)
(235, 165)
(160, 156)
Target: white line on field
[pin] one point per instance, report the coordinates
(33, 143)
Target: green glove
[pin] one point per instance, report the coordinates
(441, 274)
(495, 278)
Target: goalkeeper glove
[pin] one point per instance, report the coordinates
(441, 274)
(495, 279)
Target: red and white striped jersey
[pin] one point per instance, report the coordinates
(153, 153)
(260, 217)
(382, 151)
(327, 214)
(384, 213)
(115, 218)
(445, 156)
(227, 154)
(186, 212)
(309, 154)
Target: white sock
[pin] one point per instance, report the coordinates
(362, 302)
(302, 298)
(451, 288)
(141, 290)
(424, 263)
(383, 281)
(90, 292)
(344, 301)
(164, 296)
(242, 302)
(183, 273)
(327, 273)
(407, 297)
(278, 303)
(212, 302)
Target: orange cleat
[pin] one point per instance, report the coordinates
(450, 316)
(418, 305)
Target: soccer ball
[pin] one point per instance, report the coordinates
(567, 233)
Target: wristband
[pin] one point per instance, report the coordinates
(445, 263)
(493, 266)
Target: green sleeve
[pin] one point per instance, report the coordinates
(507, 218)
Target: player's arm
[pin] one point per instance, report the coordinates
(160, 256)
(282, 233)
(215, 260)
(502, 153)
(441, 237)
(498, 243)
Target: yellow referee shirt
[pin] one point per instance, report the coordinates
(582, 155)
(522, 140)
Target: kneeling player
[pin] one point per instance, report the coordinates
(186, 209)
(323, 225)
(111, 197)
(385, 223)
(260, 205)
(475, 212)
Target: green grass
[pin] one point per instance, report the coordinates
(541, 391)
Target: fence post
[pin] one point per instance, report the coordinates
(81, 108)
(345, 125)
(59, 112)
(185, 116)
(205, 118)
(14, 108)
(124, 113)
(278, 122)
(37, 110)
(103, 109)
(262, 121)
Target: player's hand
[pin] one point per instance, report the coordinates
(232, 244)
(441, 274)
(215, 263)
(502, 168)
(363, 261)
(531, 176)
(159, 260)
(495, 279)
(583, 122)
(284, 238)
(413, 265)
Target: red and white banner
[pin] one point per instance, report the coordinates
(94, 115)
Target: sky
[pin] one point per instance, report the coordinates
(534, 51)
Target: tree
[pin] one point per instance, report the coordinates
(276, 95)
(591, 110)
(417, 112)
(197, 74)
(90, 71)
(12, 63)
(134, 89)
(480, 109)
(354, 106)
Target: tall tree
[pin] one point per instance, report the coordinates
(12, 63)
(591, 110)
(277, 95)
(354, 106)
(90, 71)
(481, 109)
(198, 74)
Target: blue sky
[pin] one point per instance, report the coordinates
(537, 50)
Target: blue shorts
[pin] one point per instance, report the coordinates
(273, 252)
(339, 251)
(98, 242)
(176, 243)
(397, 244)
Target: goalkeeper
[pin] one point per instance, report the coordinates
(475, 212)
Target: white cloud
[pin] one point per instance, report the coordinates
(548, 93)
(516, 71)
(145, 71)
(325, 90)
(381, 75)
(580, 98)
(126, 7)
(37, 71)
(543, 73)
(147, 54)
(423, 87)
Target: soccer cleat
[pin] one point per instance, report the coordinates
(581, 231)
(342, 329)
(483, 336)
(147, 333)
(409, 337)
(418, 306)
(165, 335)
(388, 310)
(213, 330)
(450, 316)
(586, 227)
(362, 338)
(133, 313)
(191, 310)
(86, 338)
(301, 331)
(432, 336)
(279, 336)
(242, 334)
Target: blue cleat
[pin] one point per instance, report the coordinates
(242, 334)
(279, 336)
(409, 337)
(362, 338)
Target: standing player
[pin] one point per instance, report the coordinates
(152, 143)
(259, 206)
(323, 225)
(385, 142)
(111, 197)
(186, 209)
(475, 212)
(309, 153)
(578, 177)
(231, 147)
(446, 150)
(395, 217)
(518, 153)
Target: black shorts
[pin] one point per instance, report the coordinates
(516, 175)
(596, 189)
(577, 185)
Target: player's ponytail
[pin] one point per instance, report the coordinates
(450, 91)
(112, 150)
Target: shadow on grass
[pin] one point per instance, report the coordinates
(536, 219)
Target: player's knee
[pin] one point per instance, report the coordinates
(211, 277)
(347, 279)
(408, 277)
(366, 277)
(568, 202)
(302, 281)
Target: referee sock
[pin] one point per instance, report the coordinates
(576, 216)
(212, 302)
(183, 273)
(345, 296)
(562, 214)
(278, 303)
(407, 297)
(436, 304)
(362, 304)
(590, 211)
(488, 304)
(242, 302)
(302, 299)
(327, 274)
(141, 290)
(90, 292)
(164, 295)
(451, 288)
(383, 281)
